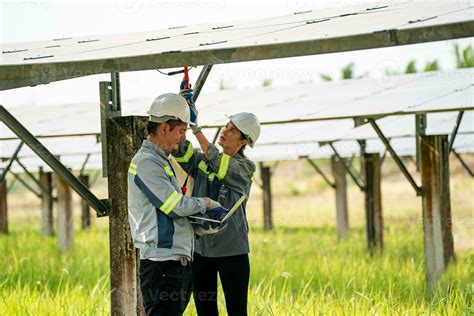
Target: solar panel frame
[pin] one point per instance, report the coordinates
(326, 31)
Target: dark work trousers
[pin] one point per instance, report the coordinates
(165, 286)
(234, 272)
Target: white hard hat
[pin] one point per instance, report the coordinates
(170, 106)
(248, 124)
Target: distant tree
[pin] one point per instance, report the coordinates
(411, 67)
(464, 57)
(347, 72)
(267, 82)
(325, 77)
(432, 66)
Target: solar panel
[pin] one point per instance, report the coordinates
(305, 33)
(403, 94)
(400, 95)
(404, 126)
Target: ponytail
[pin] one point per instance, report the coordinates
(241, 150)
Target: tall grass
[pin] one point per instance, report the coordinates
(295, 271)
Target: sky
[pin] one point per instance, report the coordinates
(32, 20)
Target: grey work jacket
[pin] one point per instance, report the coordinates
(225, 179)
(156, 208)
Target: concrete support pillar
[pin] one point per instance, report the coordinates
(3, 208)
(373, 201)
(266, 196)
(125, 136)
(85, 208)
(436, 203)
(340, 187)
(45, 179)
(65, 221)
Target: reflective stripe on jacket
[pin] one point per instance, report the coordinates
(225, 179)
(156, 208)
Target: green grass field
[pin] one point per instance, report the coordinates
(297, 269)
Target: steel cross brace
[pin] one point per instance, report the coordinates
(84, 164)
(12, 184)
(348, 168)
(216, 135)
(198, 87)
(32, 177)
(455, 131)
(395, 156)
(321, 173)
(101, 206)
(201, 80)
(463, 163)
(384, 155)
(12, 159)
(25, 184)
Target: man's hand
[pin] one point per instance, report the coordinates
(217, 212)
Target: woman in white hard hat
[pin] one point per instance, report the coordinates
(223, 176)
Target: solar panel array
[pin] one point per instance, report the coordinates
(395, 97)
(303, 33)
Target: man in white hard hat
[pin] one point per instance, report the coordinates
(158, 210)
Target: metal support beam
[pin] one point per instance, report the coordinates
(395, 157)
(340, 185)
(3, 208)
(455, 131)
(216, 135)
(373, 202)
(420, 126)
(107, 110)
(101, 206)
(201, 80)
(46, 203)
(349, 169)
(384, 155)
(12, 158)
(25, 184)
(265, 173)
(84, 164)
(436, 203)
(85, 209)
(321, 173)
(362, 146)
(32, 177)
(116, 96)
(463, 163)
(12, 184)
(65, 223)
